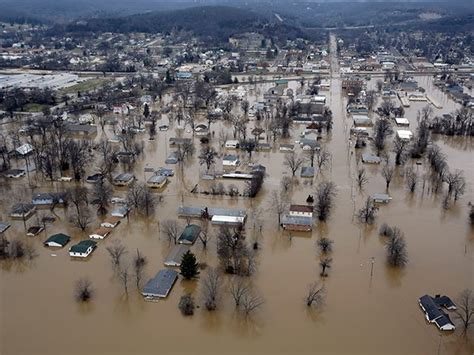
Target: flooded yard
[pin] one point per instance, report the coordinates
(363, 313)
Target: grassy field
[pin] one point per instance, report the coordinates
(86, 85)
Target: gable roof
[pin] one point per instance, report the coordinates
(59, 238)
(82, 246)
(189, 234)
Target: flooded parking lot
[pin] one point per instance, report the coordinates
(363, 313)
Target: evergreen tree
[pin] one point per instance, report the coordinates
(189, 266)
(146, 111)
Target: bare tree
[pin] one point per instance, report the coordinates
(139, 263)
(400, 149)
(456, 183)
(368, 212)
(207, 157)
(279, 204)
(361, 178)
(315, 295)
(186, 305)
(171, 230)
(371, 99)
(382, 130)
(286, 183)
(79, 153)
(116, 251)
(81, 218)
(325, 264)
(386, 107)
(293, 162)
(323, 158)
(250, 302)
(124, 277)
(397, 255)
(465, 309)
(387, 173)
(325, 194)
(411, 179)
(101, 194)
(83, 291)
(211, 284)
(325, 245)
(238, 288)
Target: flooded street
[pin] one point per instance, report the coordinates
(363, 314)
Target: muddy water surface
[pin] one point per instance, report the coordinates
(362, 314)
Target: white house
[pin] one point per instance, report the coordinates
(100, 233)
(82, 249)
(230, 160)
(111, 222)
(402, 122)
(232, 144)
(404, 134)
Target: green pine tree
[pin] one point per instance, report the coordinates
(189, 267)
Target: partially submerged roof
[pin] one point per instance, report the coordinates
(59, 238)
(4, 226)
(307, 171)
(297, 220)
(175, 255)
(82, 246)
(301, 208)
(189, 234)
(161, 284)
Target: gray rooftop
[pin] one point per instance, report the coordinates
(161, 284)
(297, 220)
(175, 255)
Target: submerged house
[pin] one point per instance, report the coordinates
(175, 255)
(381, 198)
(189, 234)
(230, 160)
(160, 285)
(111, 222)
(82, 249)
(120, 212)
(49, 198)
(123, 179)
(371, 159)
(157, 181)
(432, 306)
(33, 231)
(22, 210)
(297, 223)
(100, 233)
(57, 240)
(301, 211)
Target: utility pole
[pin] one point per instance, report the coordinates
(372, 267)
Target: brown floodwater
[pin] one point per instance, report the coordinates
(361, 315)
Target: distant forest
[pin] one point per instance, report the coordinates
(216, 23)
